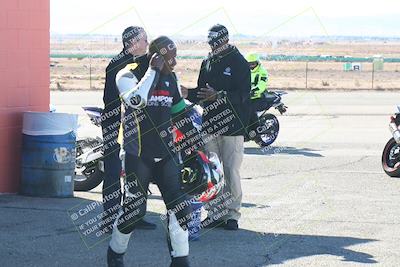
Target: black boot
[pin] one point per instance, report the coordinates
(180, 262)
(114, 259)
(211, 223)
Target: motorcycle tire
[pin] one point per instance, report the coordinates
(267, 136)
(86, 182)
(91, 175)
(391, 166)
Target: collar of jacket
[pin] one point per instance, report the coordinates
(141, 59)
(143, 64)
(256, 69)
(126, 53)
(227, 51)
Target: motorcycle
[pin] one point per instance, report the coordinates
(89, 167)
(391, 152)
(89, 171)
(264, 127)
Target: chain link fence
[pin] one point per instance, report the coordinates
(79, 64)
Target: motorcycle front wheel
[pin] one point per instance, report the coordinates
(391, 158)
(267, 130)
(88, 179)
(89, 175)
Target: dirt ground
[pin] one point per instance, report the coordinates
(89, 73)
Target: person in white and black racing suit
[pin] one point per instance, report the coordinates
(152, 104)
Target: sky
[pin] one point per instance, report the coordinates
(295, 18)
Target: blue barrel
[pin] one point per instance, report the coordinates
(48, 154)
(195, 222)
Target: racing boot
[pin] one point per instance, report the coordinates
(180, 262)
(114, 259)
(178, 243)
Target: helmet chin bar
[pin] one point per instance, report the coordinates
(203, 176)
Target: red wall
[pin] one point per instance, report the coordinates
(24, 77)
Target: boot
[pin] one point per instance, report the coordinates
(180, 262)
(114, 259)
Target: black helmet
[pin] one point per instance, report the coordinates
(203, 176)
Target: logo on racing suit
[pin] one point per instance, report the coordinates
(160, 98)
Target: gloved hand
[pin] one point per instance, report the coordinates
(208, 94)
(157, 62)
(253, 93)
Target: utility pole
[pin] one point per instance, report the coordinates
(306, 74)
(90, 66)
(373, 73)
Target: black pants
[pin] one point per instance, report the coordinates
(111, 183)
(166, 174)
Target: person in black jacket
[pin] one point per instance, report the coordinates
(223, 87)
(135, 45)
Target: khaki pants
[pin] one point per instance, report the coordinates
(230, 151)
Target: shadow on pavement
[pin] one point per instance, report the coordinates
(260, 249)
(267, 151)
(298, 246)
(41, 232)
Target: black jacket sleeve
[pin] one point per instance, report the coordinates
(112, 102)
(240, 94)
(192, 93)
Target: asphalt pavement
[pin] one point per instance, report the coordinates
(316, 197)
